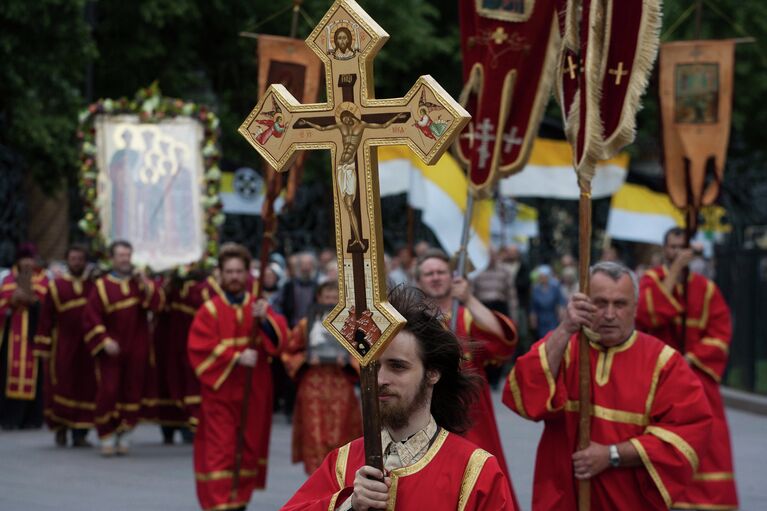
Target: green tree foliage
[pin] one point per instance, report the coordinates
(44, 49)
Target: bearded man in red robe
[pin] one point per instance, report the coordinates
(117, 336)
(424, 399)
(705, 344)
(232, 337)
(650, 420)
(21, 292)
(71, 376)
(487, 337)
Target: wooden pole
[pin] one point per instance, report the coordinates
(460, 269)
(584, 364)
(274, 184)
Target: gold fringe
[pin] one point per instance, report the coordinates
(648, 41)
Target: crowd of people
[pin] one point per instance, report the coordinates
(204, 353)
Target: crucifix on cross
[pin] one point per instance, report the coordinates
(352, 124)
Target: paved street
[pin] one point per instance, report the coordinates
(36, 476)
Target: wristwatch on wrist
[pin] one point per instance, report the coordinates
(615, 458)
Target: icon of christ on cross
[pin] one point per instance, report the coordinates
(352, 123)
(351, 128)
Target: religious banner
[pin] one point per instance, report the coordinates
(149, 175)
(509, 57)
(603, 74)
(352, 124)
(290, 62)
(696, 103)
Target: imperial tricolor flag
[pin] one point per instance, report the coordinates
(509, 57)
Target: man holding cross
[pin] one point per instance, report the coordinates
(424, 399)
(650, 420)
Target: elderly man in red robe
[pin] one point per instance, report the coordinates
(327, 411)
(71, 388)
(424, 399)
(488, 338)
(21, 293)
(705, 343)
(117, 336)
(233, 336)
(650, 420)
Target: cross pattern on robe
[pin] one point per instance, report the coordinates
(511, 139)
(352, 124)
(571, 68)
(619, 73)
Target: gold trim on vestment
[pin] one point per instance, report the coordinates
(652, 471)
(606, 356)
(98, 329)
(70, 403)
(717, 343)
(549, 377)
(705, 507)
(703, 367)
(228, 474)
(43, 339)
(178, 306)
(665, 355)
(228, 369)
(341, 460)
(517, 394)
(654, 276)
(54, 292)
(73, 425)
(678, 442)
(610, 414)
(396, 473)
(702, 321)
(470, 476)
(72, 304)
(713, 476)
(211, 308)
(217, 351)
(333, 499)
(99, 346)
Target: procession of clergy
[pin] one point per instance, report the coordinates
(113, 350)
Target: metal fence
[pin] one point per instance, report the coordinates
(741, 274)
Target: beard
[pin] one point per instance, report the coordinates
(397, 415)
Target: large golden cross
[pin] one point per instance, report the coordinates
(352, 124)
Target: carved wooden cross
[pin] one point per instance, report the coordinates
(351, 124)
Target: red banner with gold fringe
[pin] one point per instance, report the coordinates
(509, 57)
(696, 104)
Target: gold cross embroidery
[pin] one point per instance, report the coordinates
(619, 73)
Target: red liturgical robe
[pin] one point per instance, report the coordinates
(21, 378)
(453, 474)
(71, 401)
(117, 309)
(482, 348)
(178, 386)
(643, 392)
(219, 333)
(327, 411)
(706, 347)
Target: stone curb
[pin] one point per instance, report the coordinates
(745, 401)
